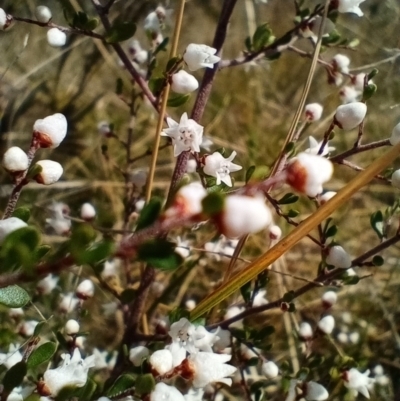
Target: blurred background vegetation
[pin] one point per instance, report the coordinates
(249, 111)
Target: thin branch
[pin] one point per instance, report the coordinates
(360, 149)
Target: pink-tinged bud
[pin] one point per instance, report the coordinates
(15, 160)
(51, 172)
(161, 361)
(43, 14)
(395, 137)
(88, 212)
(313, 112)
(5, 20)
(305, 331)
(329, 299)
(307, 172)
(243, 215)
(7, 226)
(275, 233)
(71, 327)
(51, 130)
(323, 198)
(85, 290)
(326, 324)
(183, 83)
(396, 179)
(338, 257)
(270, 369)
(56, 37)
(349, 116)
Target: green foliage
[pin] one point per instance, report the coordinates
(14, 296)
(122, 384)
(257, 174)
(177, 313)
(81, 20)
(145, 384)
(14, 376)
(213, 204)
(376, 221)
(369, 91)
(22, 213)
(178, 100)
(262, 37)
(288, 199)
(149, 213)
(120, 31)
(41, 354)
(160, 254)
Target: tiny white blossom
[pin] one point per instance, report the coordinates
(305, 331)
(343, 337)
(7, 226)
(349, 94)
(315, 392)
(313, 112)
(56, 38)
(395, 137)
(163, 392)
(275, 233)
(199, 56)
(338, 257)
(217, 166)
(351, 6)
(12, 357)
(27, 328)
(354, 337)
(15, 160)
(51, 172)
(329, 299)
(355, 380)
(314, 147)
(104, 128)
(43, 14)
(270, 370)
(327, 324)
(88, 212)
(68, 303)
(359, 80)
(47, 285)
(349, 116)
(341, 63)
(190, 304)
(50, 131)
(233, 311)
(183, 83)
(110, 269)
(15, 313)
(139, 55)
(186, 135)
(71, 327)
(137, 354)
(85, 289)
(161, 361)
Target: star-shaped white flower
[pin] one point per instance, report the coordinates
(314, 146)
(186, 135)
(217, 166)
(351, 6)
(199, 56)
(355, 380)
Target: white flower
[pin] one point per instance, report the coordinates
(329, 298)
(182, 82)
(396, 179)
(71, 327)
(137, 354)
(196, 394)
(152, 24)
(395, 137)
(270, 369)
(354, 337)
(43, 14)
(260, 299)
(110, 269)
(85, 289)
(46, 285)
(104, 128)
(206, 143)
(313, 112)
(306, 173)
(51, 130)
(51, 172)
(27, 328)
(7, 226)
(350, 6)
(305, 331)
(163, 392)
(161, 361)
(243, 215)
(5, 20)
(275, 233)
(15, 313)
(68, 303)
(343, 337)
(359, 80)
(315, 392)
(139, 55)
(349, 94)
(217, 166)
(88, 212)
(314, 147)
(338, 257)
(15, 160)
(327, 324)
(12, 357)
(349, 116)
(355, 380)
(190, 304)
(72, 372)
(199, 56)
(341, 63)
(323, 198)
(208, 368)
(56, 38)
(187, 135)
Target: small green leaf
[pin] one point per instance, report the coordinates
(369, 91)
(287, 199)
(378, 260)
(258, 174)
(41, 354)
(38, 328)
(249, 173)
(122, 384)
(120, 31)
(303, 373)
(160, 254)
(289, 296)
(261, 37)
(145, 384)
(162, 47)
(292, 213)
(149, 213)
(86, 393)
(172, 62)
(373, 73)
(96, 253)
(22, 213)
(376, 221)
(252, 361)
(264, 332)
(13, 296)
(14, 376)
(213, 203)
(178, 100)
(42, 251)
(245, 290)
(290, 147)
(331, 231)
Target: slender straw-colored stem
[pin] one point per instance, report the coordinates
(265, 260)
(160, 122)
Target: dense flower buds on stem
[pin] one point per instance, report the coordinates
(305, 331)
(270, 369)
(243, 215)
(313, 112)
(396, 179)
(355, 380)
(51, 172)
(5, 20)
(338, 257)
(183, 83)
(43, 14)
(329, 299)
(50, 131)
(56, 38)
(15, 160)
(327, 324)
(350, 6)
(88, 212)
(199, 56)
(9, 225)
(349, 116)
(72, 327)
(85, 290)
(306, 173)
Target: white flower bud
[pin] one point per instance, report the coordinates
(313, 112)
(46, 285)
(270, 370)
(275, 233)
(323, 198)
(183, 83)
(338, 257)
(15, 160)
(243, 215)
(163, 392)
(354, 337)
(329, 299)
(341, 63)
(51, 172)
(190, 304)
(71, 327)
(348, 94)
(349, 116)
(316, 392)
(350, 6)
(137, 354)
(161, 361)
(5, 20)
(395, 137)
(27, 328)
(327, 324)
(104, 128)
(43, 14)
(307, 172)
(7, 226)
(305, 331)
(56, 38)
(51, 130)
(88, 212)
(199, 56)
(343, 337)
(85, 289)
